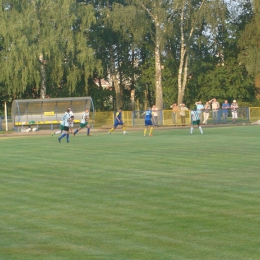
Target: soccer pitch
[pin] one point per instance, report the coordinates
(170, 196)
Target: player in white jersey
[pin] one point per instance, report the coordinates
(62, 124)
(71, 122)
(84, 122)
(61, 129)
(66, 123)
(195, 120)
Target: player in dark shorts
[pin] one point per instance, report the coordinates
(66, 128)
(118, 121)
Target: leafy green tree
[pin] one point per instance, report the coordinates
(44, 46)
(249, 42)
(216, 72)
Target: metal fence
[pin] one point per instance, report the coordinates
(3, 123)
(167, 118)
(254, 114)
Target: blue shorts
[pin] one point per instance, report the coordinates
(118, 123)
(148, 122)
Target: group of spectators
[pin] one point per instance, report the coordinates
(204, 109)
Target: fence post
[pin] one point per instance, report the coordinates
(6, 122)
(0, 123)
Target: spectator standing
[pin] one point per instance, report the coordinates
(175, 110)
(183, 110)
(199, 110)
(225, 107)
(234, 107)
(206, 113)
(215, 107)
(155, 115)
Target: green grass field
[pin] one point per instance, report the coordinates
(170, 196)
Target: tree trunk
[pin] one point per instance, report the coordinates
(158, 69)
(182, 78)
(132, 89)
(113, 73)
(43, 77)
(182, 57)
(118, 92)
(145, 98)
(257, 85)
(137, 108)
(132, 98)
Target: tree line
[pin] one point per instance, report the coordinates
(151, 52)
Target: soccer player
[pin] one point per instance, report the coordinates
(61, 129)
(84, 122)
(118, 121)
(199, 109)
(66, 119)
(62, 124)
(195, 118)
(148, 120)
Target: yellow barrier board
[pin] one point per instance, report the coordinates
(50, 113)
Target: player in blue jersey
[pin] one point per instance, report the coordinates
(118, 121)
(66, 123)
(84, 122)
(148, 121)
(195, 120)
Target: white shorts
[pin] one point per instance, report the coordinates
(234, 114)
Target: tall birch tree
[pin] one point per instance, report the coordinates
(192, 17)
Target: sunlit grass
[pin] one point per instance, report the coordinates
(170, 196)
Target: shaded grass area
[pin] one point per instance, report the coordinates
(171, 196)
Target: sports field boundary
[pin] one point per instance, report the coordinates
(106, 128)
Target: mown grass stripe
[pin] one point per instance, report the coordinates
(173, 196)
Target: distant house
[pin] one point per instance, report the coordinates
(104, 84)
